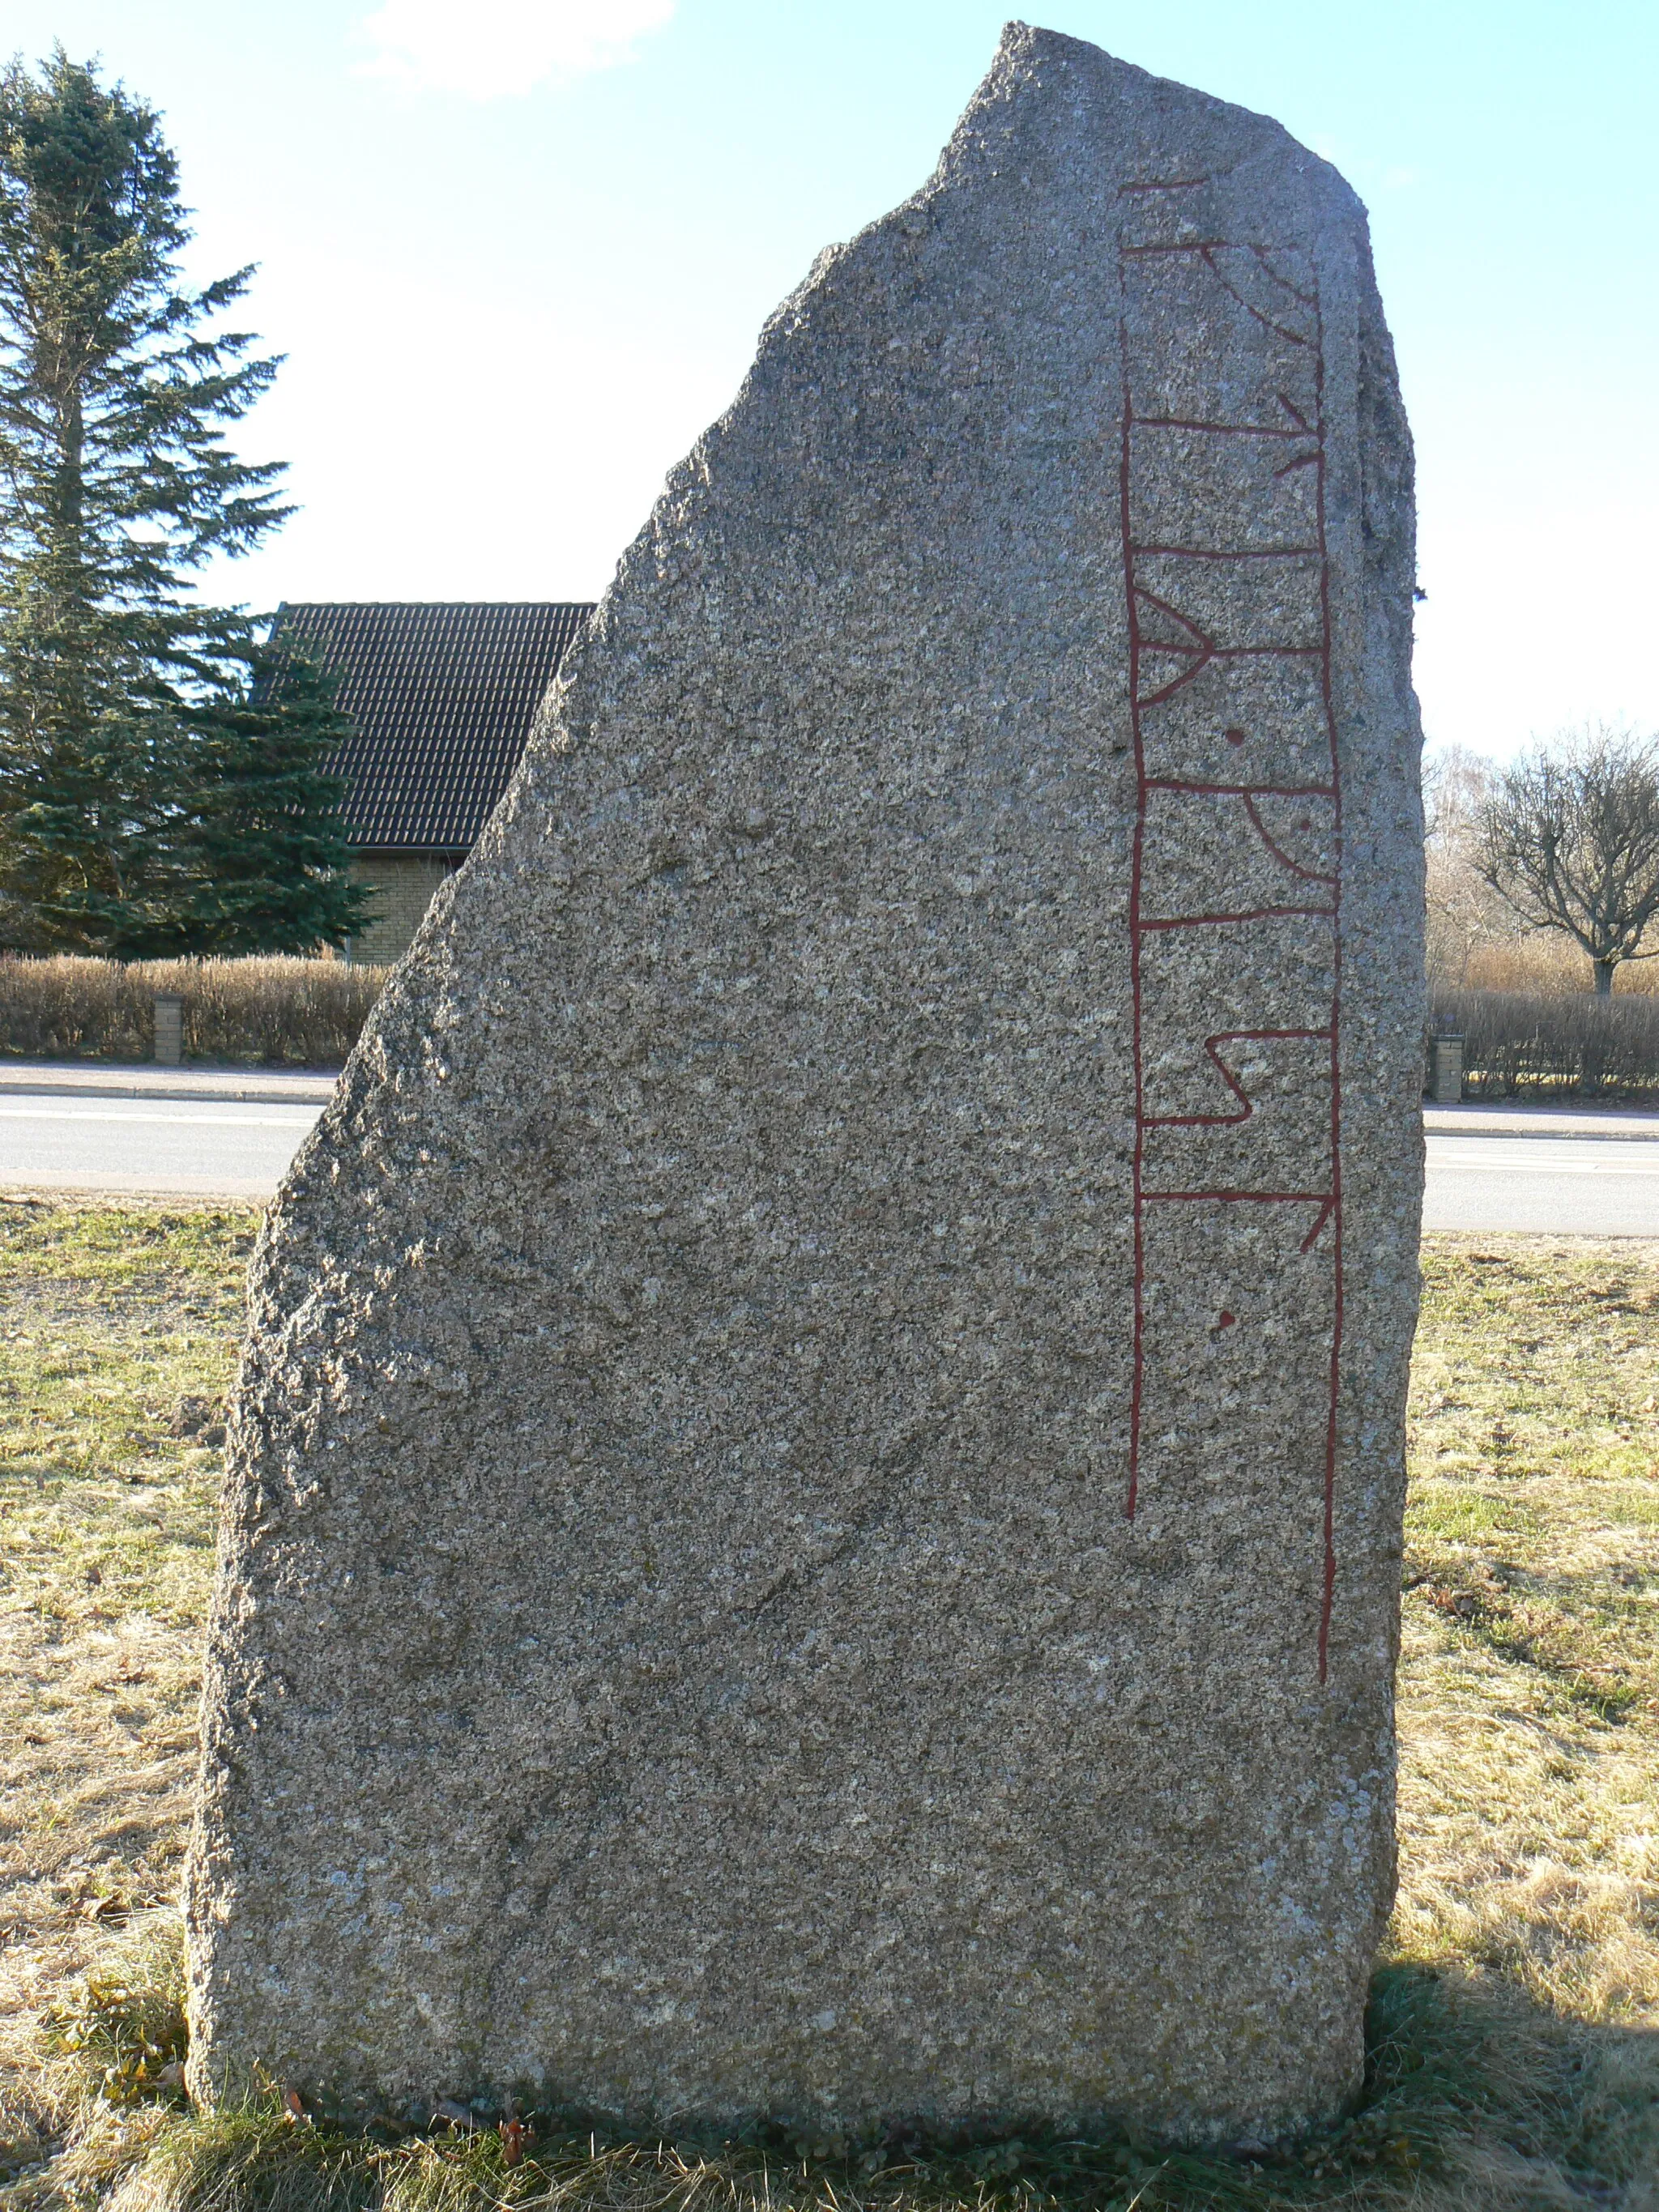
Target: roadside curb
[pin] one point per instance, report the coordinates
(311, 1091)
(1473, 1120)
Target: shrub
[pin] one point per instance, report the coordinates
(1544, 963)
(1517, 1042)
(270, 1010)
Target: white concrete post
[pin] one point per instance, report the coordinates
(1446, 1086)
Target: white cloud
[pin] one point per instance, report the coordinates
(484, 49)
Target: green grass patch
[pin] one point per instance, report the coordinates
(1633, 1509)
(120, 2039)
(1462, 1516)
(120, 1323)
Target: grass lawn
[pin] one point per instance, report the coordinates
(1516, 2027)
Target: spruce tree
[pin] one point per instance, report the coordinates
(116, 386)
(258, 860)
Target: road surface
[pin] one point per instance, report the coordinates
(207, 1148)
(1489, 1170)
(1571, 1186)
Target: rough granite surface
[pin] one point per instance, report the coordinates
(813, 1523)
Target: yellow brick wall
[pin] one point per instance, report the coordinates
(403, 885)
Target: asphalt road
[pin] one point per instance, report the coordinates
(1576, 1186)
(210, 1148)
(1601, 1180)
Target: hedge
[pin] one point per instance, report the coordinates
(1518, 1043)
(273, 1011)
(308, 1012)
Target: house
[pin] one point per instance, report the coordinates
(440, 697)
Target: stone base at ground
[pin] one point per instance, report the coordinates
(814, 1509)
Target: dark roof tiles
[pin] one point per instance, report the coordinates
(440, 697)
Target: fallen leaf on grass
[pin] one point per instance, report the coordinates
(514, 2136)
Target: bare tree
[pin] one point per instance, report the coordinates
(1569, 836)
(1465, 915)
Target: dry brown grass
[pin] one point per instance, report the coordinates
(1517, 2024)
(110, 1316)
(1544, 962)
(1529, 1680)
(270, 1010)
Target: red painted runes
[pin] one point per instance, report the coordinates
(1169, 647)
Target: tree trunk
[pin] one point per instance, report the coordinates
(1594, 1055)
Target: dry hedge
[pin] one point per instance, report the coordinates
(280, 1010)
(1517, 1042)
(271, 1010)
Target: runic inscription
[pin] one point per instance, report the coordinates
(1236, 872)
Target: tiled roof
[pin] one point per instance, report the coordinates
(441, 698)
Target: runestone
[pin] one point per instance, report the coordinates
(814, 1506)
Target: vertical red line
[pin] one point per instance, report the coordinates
(1138, 1208)
(1328, 1593)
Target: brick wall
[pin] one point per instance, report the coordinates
(403, 885)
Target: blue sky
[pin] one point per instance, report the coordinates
(517, 253)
